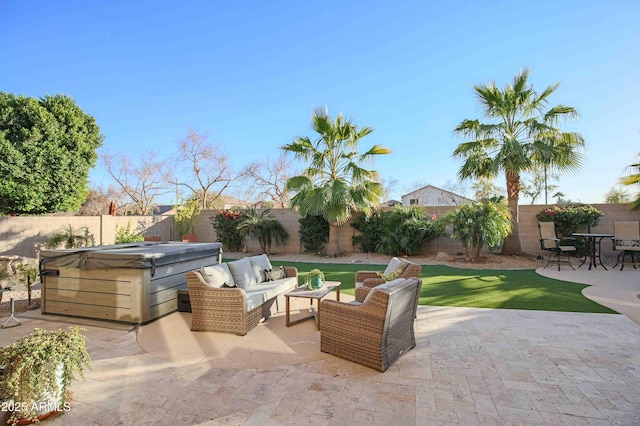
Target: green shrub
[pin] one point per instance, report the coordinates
(226, 224)
(478, 224)
(185, 216)
(400, 231)
(314, 233)
(71, 238)
(570, 218)
(124, 234)
(370, 232)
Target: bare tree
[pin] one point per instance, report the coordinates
(141, 183)
(98, 200)
(205, 168)
(269, 179)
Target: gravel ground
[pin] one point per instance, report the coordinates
(490, 261)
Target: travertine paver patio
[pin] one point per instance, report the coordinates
(470, 366)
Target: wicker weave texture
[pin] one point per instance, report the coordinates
(225, 309)
(375, 333)
(370, 279)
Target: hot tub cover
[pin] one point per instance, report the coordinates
(141, 255)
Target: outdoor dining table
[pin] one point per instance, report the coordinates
(594, 245)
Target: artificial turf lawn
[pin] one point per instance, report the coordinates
(474, 288)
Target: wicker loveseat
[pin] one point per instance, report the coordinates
(234, 297)
(375, 332)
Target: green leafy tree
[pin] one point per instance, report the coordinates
(616, 196)
(478, 224)
(47, 146)
(521, 136)
(633, 180)
(264, 227)
(335, 184)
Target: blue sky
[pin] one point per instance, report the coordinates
(250, 73)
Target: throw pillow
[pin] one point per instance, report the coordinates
(242, 273)
(396, 265)
(217, 275)
(274, 274)
(259, 264)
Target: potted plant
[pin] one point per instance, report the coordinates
(315, 277)
(37, 371)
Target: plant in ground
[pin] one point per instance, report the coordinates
(569, 219)
(262, 226)
(335, 184)
(370, 229)
(314, 233)
(478, 224)
(225, 224)
(70, 238)
(124, 234)
(400, 231)
(523, 137)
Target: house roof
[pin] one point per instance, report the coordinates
(437, 189)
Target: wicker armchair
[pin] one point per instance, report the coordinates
(371, 279)
(374, 333)
(225, 309)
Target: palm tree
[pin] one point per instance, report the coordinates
(633, 180)
(335, 184)
(264, 227)
(522, 137)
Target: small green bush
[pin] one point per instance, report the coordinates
(475, 225)
(124, 234)
(314, 233)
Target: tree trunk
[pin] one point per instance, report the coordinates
(512, 242)
(333, 246)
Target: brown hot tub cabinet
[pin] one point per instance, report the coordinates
(133, 283)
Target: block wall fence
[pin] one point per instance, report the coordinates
(19, 234)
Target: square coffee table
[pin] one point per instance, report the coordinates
(317, 294)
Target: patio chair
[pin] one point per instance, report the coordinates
(366, 280)
(627, 240)
(374, 333)
(549, 241)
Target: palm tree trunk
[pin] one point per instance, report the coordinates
(512, 242)
(333, 246)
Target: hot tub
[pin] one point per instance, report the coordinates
(133, 283)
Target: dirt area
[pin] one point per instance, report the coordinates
(489, 261)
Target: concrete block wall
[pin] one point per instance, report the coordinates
(19, 234)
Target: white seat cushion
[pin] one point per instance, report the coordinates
(242, 273)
